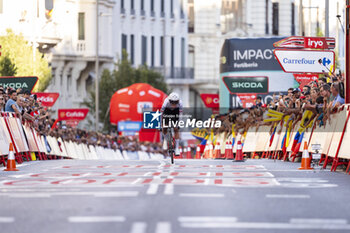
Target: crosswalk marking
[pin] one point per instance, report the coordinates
(138, 227)
(95, 219)
(163, 227)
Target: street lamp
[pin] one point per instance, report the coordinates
(97, 71)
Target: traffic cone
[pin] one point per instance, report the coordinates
(230, 151)
(210, 154)
(33, 156)
(305, 159)
(217, 151)
(181, 154)
(189, 154)
(239, 153)
(198, 152)
(11, 163)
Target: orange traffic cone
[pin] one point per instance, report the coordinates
(239, 153)
(11, 163)
(198, 152)
(210, 155)
(305, 159)
(206, 152)
(230, 151)
(217, 151)
(181, 152)
(189, 155)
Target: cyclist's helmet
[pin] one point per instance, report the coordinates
(174, 98)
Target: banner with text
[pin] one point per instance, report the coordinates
(77, 114)
(47, 99)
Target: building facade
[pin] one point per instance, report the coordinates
(153, 32)
(213, 21)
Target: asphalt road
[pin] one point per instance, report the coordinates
(152, 196)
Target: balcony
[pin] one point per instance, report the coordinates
(153, 14)
(122, 12)
(162, 14)
(175, 72)
(143, 13)
(132, 11)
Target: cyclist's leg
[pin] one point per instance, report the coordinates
(177, 141)
(165, 143)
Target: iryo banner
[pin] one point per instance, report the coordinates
(25, 83)
(248, 100)
(47, 99)
(78, 114)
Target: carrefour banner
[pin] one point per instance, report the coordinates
(247, 65)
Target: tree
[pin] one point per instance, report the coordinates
(20, 52)
(123, 76)
(7, 68)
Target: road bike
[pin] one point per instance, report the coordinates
(171, 143)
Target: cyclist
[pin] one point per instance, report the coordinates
(171, 110)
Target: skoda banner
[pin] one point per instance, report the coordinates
(25, 83)
(248, 65)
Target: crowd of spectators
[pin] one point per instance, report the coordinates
(322, 97)
(30, 110)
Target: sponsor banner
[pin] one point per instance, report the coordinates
(305, 61)
(25, 83)
(249, 54)
(47, 99)
(246, 84)
(247, 100)
(77, 114)
(299, 42)
(72, 123)
(129, 126)
(304, 79)
(236, 102)
(210, 100)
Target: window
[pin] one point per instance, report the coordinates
(122, 7)
(190, 16)
(172, 8)
(132, 49)
(293, 20)
(266, 16)
(132, 7)
(152, 51)
(183, 52)
(124, 45)
(172, 52)
(152, 6)
(161, 50)
(81, 26)
(143, 7)
(275, 18)
(182, 14)
(162, 13)
(144, 50)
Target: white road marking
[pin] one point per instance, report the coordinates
(201, 219)
(96, 194)
(7, 219)
(23, 175)
(234, 191)
(153, 189)
(286, 196)
(87, 219)
(138, 227)
(117, 194)
(169, 189)
(26, 195)
(163, 227)
(307, 224)
(201, 195)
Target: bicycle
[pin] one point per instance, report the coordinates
(171, 144)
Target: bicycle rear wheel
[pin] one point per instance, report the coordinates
(171, 147)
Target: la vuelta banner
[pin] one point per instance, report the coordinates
(210, 100)
(76, 114)
(304, 79)
(47, 99)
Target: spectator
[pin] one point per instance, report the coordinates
(11, 105)
(338, 100)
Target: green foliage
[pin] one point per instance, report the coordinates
(7, 68)
(20, 52)
(123, 76)
(319, 32)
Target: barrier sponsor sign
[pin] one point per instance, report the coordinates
(25, 83)
(305, 61)
(246, 84)
(300, 42)
(131, 126)
(78, 114)
(210, 100)
(247, 100)
(304, 79)
(47, 99)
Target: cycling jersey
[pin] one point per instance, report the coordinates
(167, 105)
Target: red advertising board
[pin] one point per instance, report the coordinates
(304, 79)
(210, 100)
(248, 100)
(315, 43)
(77, 114)
(47, 99)
(300, 42)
